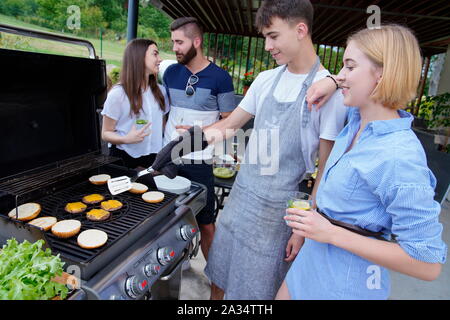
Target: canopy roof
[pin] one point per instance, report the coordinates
(334, 20)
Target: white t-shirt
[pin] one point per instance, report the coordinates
(117, 107)
(326, 123)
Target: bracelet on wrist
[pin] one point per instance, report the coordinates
(335, 82)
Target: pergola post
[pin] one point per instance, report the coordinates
(444, 81)
(422, 86)
(133, 10)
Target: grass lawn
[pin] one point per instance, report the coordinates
(111, 51)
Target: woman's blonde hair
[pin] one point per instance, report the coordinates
(396, 50)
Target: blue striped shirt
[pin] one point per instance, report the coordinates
(214, 90)
(381, 184)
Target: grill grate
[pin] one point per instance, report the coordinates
(133, 213)
(42, 178)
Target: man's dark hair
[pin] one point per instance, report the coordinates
(292, 11)
(190, 26)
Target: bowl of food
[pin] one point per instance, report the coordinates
(224, 167)
(223, 172)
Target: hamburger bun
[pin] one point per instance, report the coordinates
(75, 207)
(111, 205)
(44, 222)
(99, 179)
(93, 198)
(92, 238)
(153, 196)
(138, 188)
(27, 211)
(98, 215)
(66, 228)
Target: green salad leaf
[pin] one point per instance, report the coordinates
(26, 272)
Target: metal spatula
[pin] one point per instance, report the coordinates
(123, 183)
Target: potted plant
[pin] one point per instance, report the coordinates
(247, 81)
(436, 111)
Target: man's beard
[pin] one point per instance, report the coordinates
(186, 58)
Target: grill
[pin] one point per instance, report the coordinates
(50, 133)
(130, 222)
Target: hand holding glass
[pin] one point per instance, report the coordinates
(301, 201)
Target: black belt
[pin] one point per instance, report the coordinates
(355, 229)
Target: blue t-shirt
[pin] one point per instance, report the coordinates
(214, 90)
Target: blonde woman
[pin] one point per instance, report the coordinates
(376, 178)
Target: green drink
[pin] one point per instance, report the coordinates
(300, 200)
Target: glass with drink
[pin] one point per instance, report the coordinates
(299, 200)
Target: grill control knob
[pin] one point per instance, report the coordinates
(134, 288)
(187, 232)
(165, 255)
(151, 269)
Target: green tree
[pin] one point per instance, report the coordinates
(92, 20)
(150, 17)
(18, 8)
(48, 10)
(114, 14)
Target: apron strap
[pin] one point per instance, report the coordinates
(305, 113)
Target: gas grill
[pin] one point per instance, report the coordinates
(50, 146)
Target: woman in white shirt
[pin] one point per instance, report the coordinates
(134, 105)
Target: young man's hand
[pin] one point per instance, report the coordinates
(293, 247)
(320, 92)
(180, 128)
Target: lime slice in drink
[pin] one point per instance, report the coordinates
(301, 204)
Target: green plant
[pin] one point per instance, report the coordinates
(436, 111)
(115, 75)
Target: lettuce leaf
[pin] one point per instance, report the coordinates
(26, 272)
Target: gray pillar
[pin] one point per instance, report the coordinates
(444, 81)
(133, 10)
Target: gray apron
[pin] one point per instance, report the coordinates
(247, 255)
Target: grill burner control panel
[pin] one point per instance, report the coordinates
(131, 275)
(147, 268)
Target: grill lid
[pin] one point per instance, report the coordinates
(48, 109)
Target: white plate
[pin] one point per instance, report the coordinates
(176, 185)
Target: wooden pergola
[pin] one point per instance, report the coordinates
(334, 20)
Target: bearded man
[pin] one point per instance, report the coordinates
(200, 93)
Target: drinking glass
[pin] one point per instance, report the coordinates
(300, 200)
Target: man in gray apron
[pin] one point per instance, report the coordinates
(253, 246)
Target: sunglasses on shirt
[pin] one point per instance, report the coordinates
(193, 79)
